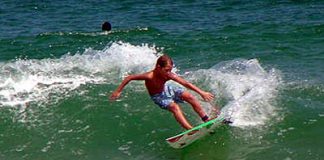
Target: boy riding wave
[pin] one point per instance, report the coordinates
(168, 96)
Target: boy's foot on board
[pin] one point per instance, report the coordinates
(214, 114)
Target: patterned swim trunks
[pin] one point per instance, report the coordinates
(170, 94)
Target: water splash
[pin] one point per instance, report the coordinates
(247, 89)
(31, 80)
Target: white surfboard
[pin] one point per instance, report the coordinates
(185, 138)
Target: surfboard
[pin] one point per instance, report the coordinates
(186, 138)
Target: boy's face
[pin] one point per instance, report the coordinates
(166, 69)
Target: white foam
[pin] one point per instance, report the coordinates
(245, 86)
(32, 80)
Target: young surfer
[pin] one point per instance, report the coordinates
(167, 96)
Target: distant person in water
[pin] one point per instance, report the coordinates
(106, 26)
(167, 96)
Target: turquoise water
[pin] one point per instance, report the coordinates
(263, 60)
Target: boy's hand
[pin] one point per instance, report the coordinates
(115, 95)
(207, 96)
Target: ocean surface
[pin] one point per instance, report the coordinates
(263, 60)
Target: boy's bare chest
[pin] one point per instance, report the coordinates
(155, 85)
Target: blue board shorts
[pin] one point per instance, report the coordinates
(167, 96)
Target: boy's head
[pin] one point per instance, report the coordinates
(164, 65)
(163, 61)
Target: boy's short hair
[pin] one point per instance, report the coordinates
(164, 60)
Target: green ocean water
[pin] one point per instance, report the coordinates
(263, 60)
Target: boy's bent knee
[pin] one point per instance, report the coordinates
(173, 107)
(188, 96)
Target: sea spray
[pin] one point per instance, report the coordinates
(34, 80)
(246, 89)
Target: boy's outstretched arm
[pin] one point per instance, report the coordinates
(116, 94)
(207, 96)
